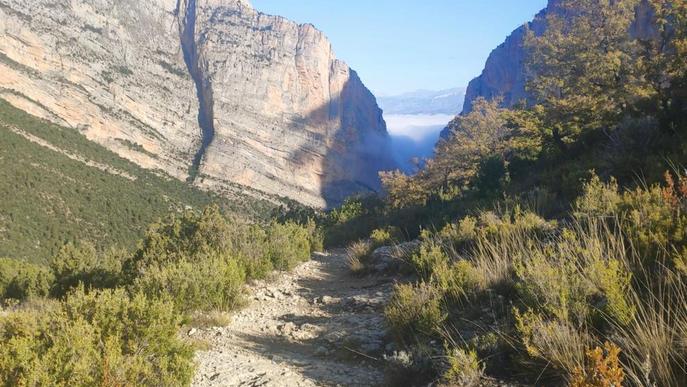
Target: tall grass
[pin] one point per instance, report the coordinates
(608, 276)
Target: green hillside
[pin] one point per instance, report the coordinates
(48, 198)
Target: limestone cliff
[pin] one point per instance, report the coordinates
(211, 91)
(504, 73)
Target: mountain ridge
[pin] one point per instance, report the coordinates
(447, 101)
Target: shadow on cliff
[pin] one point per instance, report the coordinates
(357, 144)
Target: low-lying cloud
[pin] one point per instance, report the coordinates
(414, 136)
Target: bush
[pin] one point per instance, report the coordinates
(97, 338)
(602, 368)
(350, 209)
(249, 244)
(653, 219)
(202, 260)
(207, 284)
(408, 368)
(549, 282)
(598, 199)
(653, 343)
(463, 368)
(430, 256)
(80, 263)
(457, 281)
(385, 236)
(181, 237)
(575, 275)
(414, 310)
(460, 233)
(316, 235)
(554, 341)
(21, 280)
(289, 245)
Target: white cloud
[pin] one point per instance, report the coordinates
(416, 126)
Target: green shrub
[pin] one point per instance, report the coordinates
(98, 338)
(516, 220)
(458, 280)
(353, 220)
(557, 342)
(385, 236)
(409, 368)
(202, 260)
(289, 245)
(414, 310)
(598, 199)
(463, 368)
(653, 343)
(652, 219)
(613, 282)
(181, 237)
(550, 282)
(576, 274)
(189, 259)
(21, 280)
(81, 264)
(430, 256)
(207, 284)
(316, 235)
(250, 245)
(459, 233)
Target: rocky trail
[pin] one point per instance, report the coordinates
(314, 326)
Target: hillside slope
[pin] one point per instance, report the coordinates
(56, 186)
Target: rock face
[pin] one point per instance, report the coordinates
(206, 90)
(504, 74)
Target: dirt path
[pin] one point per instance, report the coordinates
(317, 325)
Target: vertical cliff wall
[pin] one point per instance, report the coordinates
(504, 73)
(210, 91)
(288, 117)
(110, 68)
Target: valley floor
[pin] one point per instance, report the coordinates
(317, 325)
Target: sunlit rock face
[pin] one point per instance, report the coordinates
(209, 91)
(504, 75)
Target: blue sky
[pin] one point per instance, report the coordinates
(405, 45)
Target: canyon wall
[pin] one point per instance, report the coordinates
(209, 91)
(505, 76)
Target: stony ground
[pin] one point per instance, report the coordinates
(315, 326)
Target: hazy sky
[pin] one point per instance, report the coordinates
(405, 45)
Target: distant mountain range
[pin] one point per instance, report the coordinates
(415, 121)
(449, 101)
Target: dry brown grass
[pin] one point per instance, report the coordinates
(654, 343)
(357, 255)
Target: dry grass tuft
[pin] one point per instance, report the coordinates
(357, 256)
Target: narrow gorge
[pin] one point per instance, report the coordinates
(187, 35)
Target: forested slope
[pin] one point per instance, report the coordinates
(56, 187)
